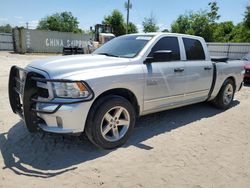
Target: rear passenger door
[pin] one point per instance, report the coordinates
(199, 71)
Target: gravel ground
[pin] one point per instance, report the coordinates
(194, 146)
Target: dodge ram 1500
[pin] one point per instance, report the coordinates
(103, 93)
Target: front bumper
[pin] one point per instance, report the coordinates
(69, 118)
(50, 114)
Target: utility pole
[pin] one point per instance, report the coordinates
(128, 6)
(27, 25)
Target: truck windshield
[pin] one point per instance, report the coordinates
(125, 46)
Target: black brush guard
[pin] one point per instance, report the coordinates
(20, 93)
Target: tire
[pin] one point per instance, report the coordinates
(225, 97)
(110, 122)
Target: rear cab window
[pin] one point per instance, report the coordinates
(194, 49)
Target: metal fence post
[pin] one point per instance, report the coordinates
(228, 49)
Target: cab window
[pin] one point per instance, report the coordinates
(194, 49)
(167, 43)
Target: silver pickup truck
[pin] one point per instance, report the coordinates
(103, 93)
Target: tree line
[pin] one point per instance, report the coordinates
(201, 23)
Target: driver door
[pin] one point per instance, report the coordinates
(165, 80)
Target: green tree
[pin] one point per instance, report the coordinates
(200, 23)
(132, 28)
(200, 26)
(246, 20)
(150, 25)
(213, 13)
(5, 28)
(116, 20)
(222, 32)
(64, 22)
(165, 31)
(181, 25)
(240, 33)
(204, 24)
(194, 24)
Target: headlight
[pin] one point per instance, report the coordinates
(71, 90)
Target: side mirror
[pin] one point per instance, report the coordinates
(159, 56)
(162, 56)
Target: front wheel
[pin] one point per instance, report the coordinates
(110, 122)
(225, 97)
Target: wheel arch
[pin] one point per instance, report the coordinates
(92, 130)
(219, 83)
(122, 92)
(218, 101)
(230, 78)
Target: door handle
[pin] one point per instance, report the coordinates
(207, 68)
(178, 69)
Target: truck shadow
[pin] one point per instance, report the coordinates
(44, 155)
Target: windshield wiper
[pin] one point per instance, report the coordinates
(107, 54)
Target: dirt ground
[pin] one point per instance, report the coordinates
(195, 146)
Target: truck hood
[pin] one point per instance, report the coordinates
(60, 67)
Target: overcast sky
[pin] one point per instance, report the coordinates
(90, 12)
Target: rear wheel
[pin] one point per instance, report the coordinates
(110, 122)
(225, 97)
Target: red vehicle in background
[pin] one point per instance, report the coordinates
(246, 58)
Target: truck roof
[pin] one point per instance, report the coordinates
(169, 34)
